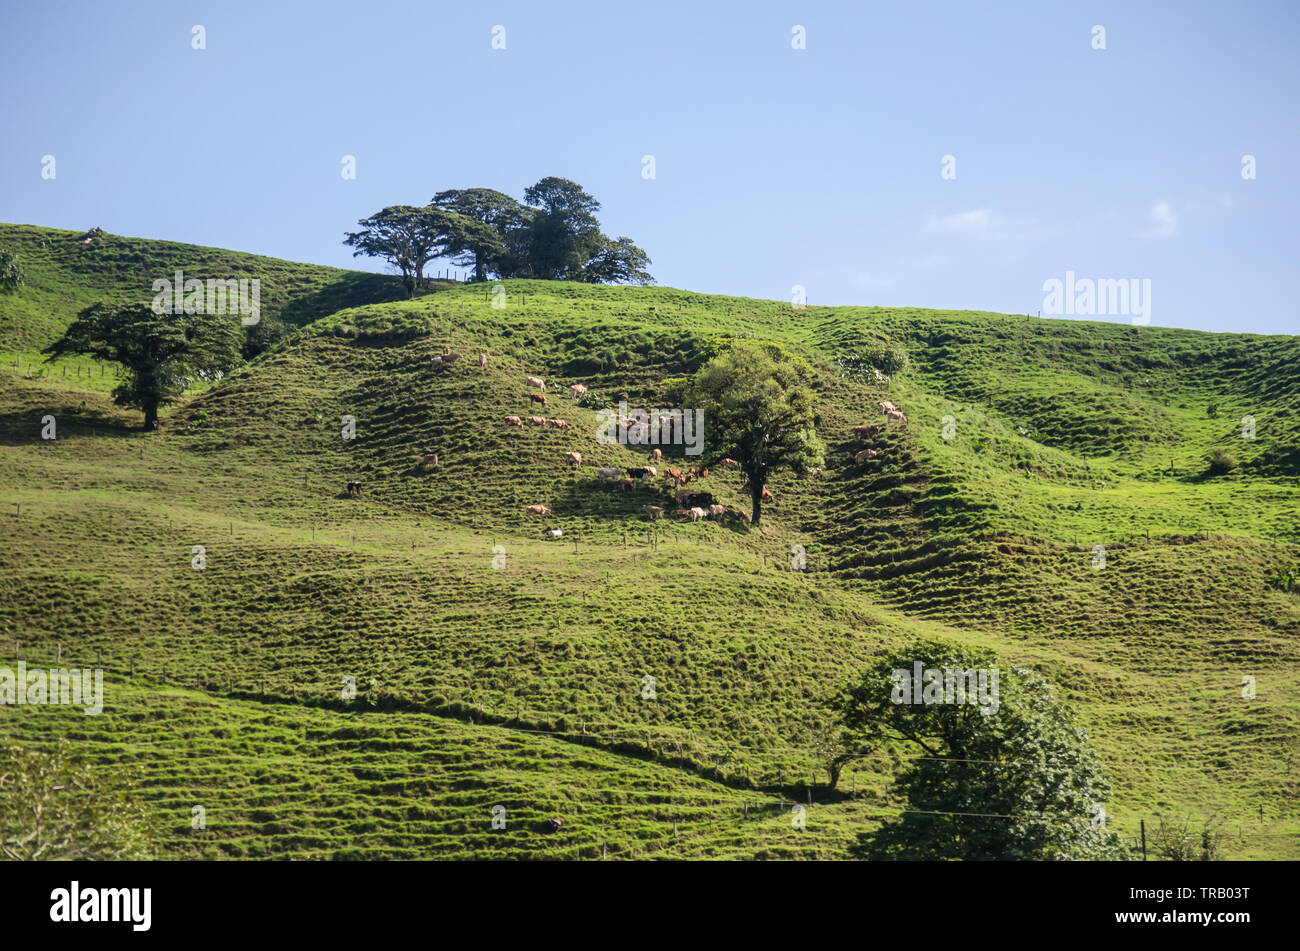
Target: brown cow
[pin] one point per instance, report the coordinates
(729, 463)
(656, 454)
(717, 511)
(675, 475)
(537, 510)
(536, 420)
(429, 459)
(865, 431)
(624, 485)
(574, 457)
(898, 415)
(559, 423)
(864, 455)
(448, 357)
(681, 511)
(682, 495)
(577, 389)
(654, 511)
(767, 495)
(886, 406)
(514, 421)
(482, 359)
(537, 398)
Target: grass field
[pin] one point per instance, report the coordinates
(497, 666)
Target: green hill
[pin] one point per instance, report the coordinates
(523, 682)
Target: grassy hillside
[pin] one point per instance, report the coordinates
(523, 681)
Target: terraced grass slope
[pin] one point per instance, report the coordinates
(631, 673)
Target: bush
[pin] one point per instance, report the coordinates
(1220, 462)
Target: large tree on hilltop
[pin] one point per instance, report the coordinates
(409, 237)
(759, 410)
(485, 249)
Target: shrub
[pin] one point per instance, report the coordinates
(1220, 462)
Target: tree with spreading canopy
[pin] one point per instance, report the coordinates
(161, 353)
(408, 237)
(759, 410)
(485, 250)
(1013, 779)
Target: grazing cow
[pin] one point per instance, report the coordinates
(698, 513)
(886, 406)
(682, 495)
(429, 459)
(554, 824)
(651, 472)
(559, 423)
(767, 496)
(574, 457)
(607, 473)
(676, 475)
(698, 500)
(656, 454)
(514, 421)
(577, 389)
(864, 431)
(555, 532)
(482, 359)
(681, 511)
(898, 415)
(354, 487)
(639, 472)
(537, 398)
(740, 514)
(537, 382)
(864, 455)
(729, 463)
(448, 357)
(654, 511)
(624, 485)
(717, 511)
(436, 361)
(536, 420)
(537, 510)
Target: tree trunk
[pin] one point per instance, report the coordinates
(151, 415)
(480, 267)
(756, 489)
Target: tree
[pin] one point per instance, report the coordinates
(1010, 776)
(617, 261)
(162, 353)
(11, 275)
(52, 808)
(409, 237)
(761, 412)
(564, 232)
(486, 251)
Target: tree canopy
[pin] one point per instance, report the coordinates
(1019, 782)
(11, 275)
(408, 237)
(760, 410)
(162, 353)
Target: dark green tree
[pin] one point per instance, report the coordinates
(505, 220)
(759, 410)
(1012, 779)
(617, 261)
(409, 237)
(564, 232)
(161, 353)
(11, 275)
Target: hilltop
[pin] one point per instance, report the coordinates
(1029, 443)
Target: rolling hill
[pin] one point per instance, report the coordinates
(496, 665)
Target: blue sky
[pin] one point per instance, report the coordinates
(774, 167)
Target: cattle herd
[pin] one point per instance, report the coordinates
(690, 504)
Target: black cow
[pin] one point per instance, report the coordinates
(698, 499)
(638, 473)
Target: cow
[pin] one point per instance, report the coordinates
(682, 495)
(865, 455)
(676, 475)
(536, 381)
(898, 414)
(559, 423)
(536, 420)
(537, 398)
(740, 514)
(429, 459)
(698, 499)
(638, 472)
(607, 473)
(574, 457)
(555, 532)
(514, 421)
(577, 389)
(624, 485)
(654, 511)
(698, 513)
(448, 357)
(537, 510)
(681, 512)
(656, 454)
(554, 824)
(354, 487)
(436, 361)
(729, 463)
(767, 495)
(717, 511)
(482, 359)
(651, 472)
(865, 431)
(886, 406)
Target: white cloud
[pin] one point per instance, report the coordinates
(977, 220)
(1163, 221)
